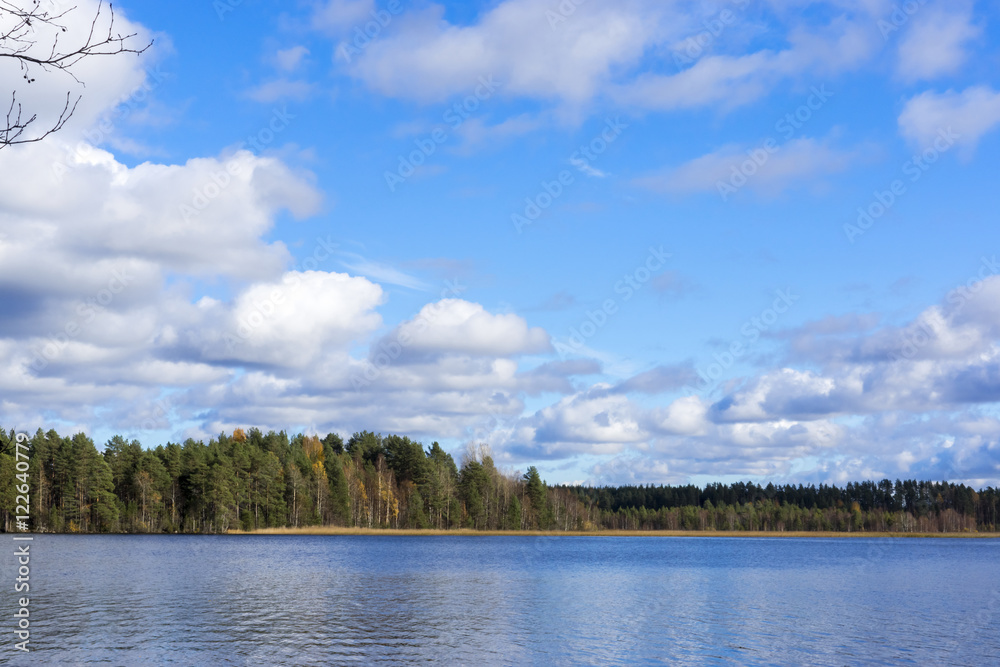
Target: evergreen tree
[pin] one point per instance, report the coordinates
(416, 517)
(340, 501)
(540, 514)
(512, 519)
(8, 489)
(252, 480)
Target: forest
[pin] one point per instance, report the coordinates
(250, 480)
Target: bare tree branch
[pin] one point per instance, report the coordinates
(18, 41)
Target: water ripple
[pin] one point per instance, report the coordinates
(601, 601)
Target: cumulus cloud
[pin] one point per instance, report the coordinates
(679, 440)
(591, 422)
(204, 217)
(458, 326)
(105, 275)
(102, 266)
(536, 50)
(684, 416)
(151, 293)
(967, 116)
(634, 469)
(289, 323)
(876, 400)
(415, 379)
(428, 58)
(964, 325)
(945, 357)
(786, 392)
(936, 42)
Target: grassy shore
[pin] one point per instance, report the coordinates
(333, 530)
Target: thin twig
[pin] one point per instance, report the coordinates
(18, 40)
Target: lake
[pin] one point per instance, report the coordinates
(261, 600)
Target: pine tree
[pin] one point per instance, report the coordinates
(340, 501)
(512, 520)
(541, 515)
(416, 517)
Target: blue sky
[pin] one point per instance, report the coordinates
(626, 242)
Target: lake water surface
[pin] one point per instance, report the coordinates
(262, 600)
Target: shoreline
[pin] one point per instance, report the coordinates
(432, 532)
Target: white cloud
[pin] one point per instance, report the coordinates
(457, 326)
(338, 16)
(896, 401)
(936, 42)
(594, 53)
(289, 59)
(660, 379)
(428, 58)
(714, 79)
(84, 268)
(380, 271)
(204, 217)
(970, 114)
(136, 276)
(104, 270)
(593, 422)
(947, 356)
(292, 322)
(633, 469)
(280, 89)
(769, 171)
(103, 81)
(554, 376)
(684, 416)
(474, 132)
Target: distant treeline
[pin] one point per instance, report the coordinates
(250, 480)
